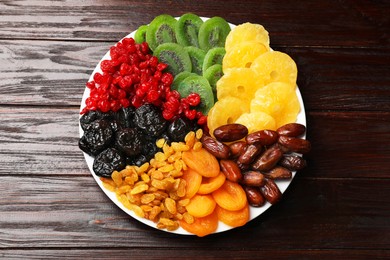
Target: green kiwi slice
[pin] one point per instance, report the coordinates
(197, 57)
(175, 56)
(213, 56)
(213, 32)
(140, 34)
(161, 30)
(213, 74)
(200, 85)
(179, 78)
(187, 29)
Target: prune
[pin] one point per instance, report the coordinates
(125, 116)
(115, 125)
(166, 138)
(94, 115)
(89, 117)
(129, 141)
(139, 160)
(97, 137)
(179, 128)
(149, 149)
(149, 119)
(108, 161)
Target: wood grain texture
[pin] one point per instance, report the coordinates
(336, 208)
(43, 212)
(309, 23)
(54, 74)
(188, 253)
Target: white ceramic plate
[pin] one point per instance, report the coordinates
(254, 211)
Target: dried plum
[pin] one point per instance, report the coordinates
(97, 137)
(108, 161)
(139, 160)
(129, 141)
(149, 119)
(125, 116)
(89, 117)
(149, 149)
(179, 128)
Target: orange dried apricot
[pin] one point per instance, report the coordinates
(202, 226)
(202, 162)
(201, 205)
(193, 181)
(209, 185)
(230, 196)
(233, 218)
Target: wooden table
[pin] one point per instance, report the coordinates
(337, 208)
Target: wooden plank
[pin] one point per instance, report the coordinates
(68, 212)
(325, 23)
(189, 253)
(44, 141)
(54, 73)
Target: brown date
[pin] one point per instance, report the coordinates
(278, 173)
(291, 130)
(230, 132)
(237, 148)
(254, 196)
(231, 170)
(294, 144)
(250, 153)
(253, 178)
(262, 137)
(216, 148)
(271, 192)
(292, 162)
(268, 159)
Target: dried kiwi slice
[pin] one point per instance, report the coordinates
(187, 29)
(213, 56)
(175, 56)
(213, 33)
(200, 85)
(197, 57)
(179, 78)
(140, 34)
(213, 74)
(161, 30)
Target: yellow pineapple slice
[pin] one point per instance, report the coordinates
(247, 32)
(241, 83)
(226, 111)
(242, 55)
(275, 66)
(279, 100)
(256, 121)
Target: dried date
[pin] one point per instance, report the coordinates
(268, 159)
(216, 148)
(231, 170)
(253, 178)
(230, 132)
(254, 196)
(262, 137)
(250, 153)
(292, 162)
(271, 192)
(294, 144)
(278, 173)
(291, 130)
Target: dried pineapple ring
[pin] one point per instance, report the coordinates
(275, 66)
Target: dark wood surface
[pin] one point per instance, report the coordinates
(336, 208)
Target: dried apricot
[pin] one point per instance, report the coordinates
(233, 218)
(193, 181)
(209, 185)
(201, 226)
(230, 196)
(201, 161)
(201, 205)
